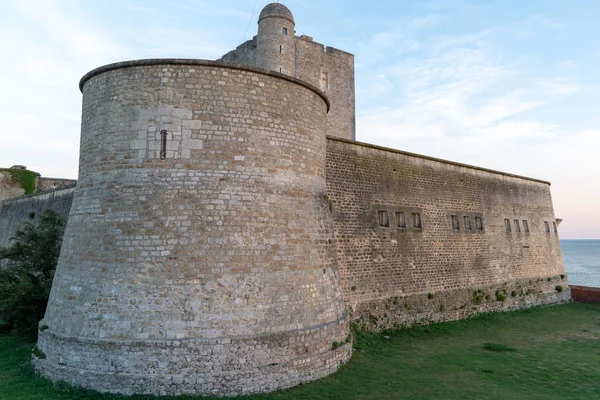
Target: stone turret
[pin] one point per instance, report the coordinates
(275, 46)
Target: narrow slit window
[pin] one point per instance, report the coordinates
(280, 49)
(525, 226)
(284, 30)
(517, 225)
(554, 225)
(383, 218)
(455, 223)
(163, 144)
(547, 225)
(507, 224)
(478, 223)
(324, 80)
(401, 218)
(467, 222)
(416, 220)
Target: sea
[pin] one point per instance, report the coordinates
(582, 261)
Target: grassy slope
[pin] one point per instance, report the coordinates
(556, 356)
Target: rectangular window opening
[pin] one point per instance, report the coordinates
(383, 218)
(401, 218)
(416, 220)
(455, 223)
(280, 49)
(517, 225)
(507, 224)
(525, 226)
(554, 225)
(478, 223)
(547, 225)
(163, 144)
(324, 80)
(467, 221)
(284, 30)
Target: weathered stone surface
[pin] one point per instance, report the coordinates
(210, 269)
(327, 68)
(406, 264)
(15, 212)
(218, 243)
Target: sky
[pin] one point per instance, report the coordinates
(503, 84)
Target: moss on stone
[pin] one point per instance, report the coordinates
(25, 179)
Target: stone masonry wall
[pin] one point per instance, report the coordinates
(209, 269)
(8, 188)
(14, 212)
(332, 71)
(411, 271)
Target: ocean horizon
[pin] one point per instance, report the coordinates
(582, 261)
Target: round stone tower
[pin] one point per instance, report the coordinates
(198, 256)
(275, 46)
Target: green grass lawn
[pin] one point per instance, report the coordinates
(543, 353)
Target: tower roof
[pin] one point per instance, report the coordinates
(276, 10)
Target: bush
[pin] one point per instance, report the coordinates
(558, 288)
(500, 295)
(26, 273)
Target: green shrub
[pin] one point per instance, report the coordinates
(25, 179)
(500, 295)
(27, 271)
(513, 293)
(335, 345)
(477, 296)
(558, 288)
(430, 295)
(562, 276)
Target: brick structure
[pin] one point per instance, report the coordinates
(219, 242)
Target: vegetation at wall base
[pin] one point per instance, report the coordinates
(542, 353)
(26, 179)
(26, 274)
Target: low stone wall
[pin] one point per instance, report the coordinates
(449, 305)
(585, 294)
(15, 212)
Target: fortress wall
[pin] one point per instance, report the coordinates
(45, 183)
(332, 71)
(395, 275)
(8, 188)
(326, 68)
(244, 54)
(14, 212)
(209, 269)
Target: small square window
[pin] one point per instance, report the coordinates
(284, 31)
(517, 225)
(507, 224)
(467, 221)
(383, 218)
(478, 223)
(554, 225)
(401, 219)
(416, 217)
(525, 226)
(455, 223)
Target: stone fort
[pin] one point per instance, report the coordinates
(226, 228)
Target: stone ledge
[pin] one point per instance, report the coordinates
(202, 63)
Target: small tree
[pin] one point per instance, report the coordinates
(26, 272)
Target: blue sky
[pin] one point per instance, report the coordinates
(507, 85)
